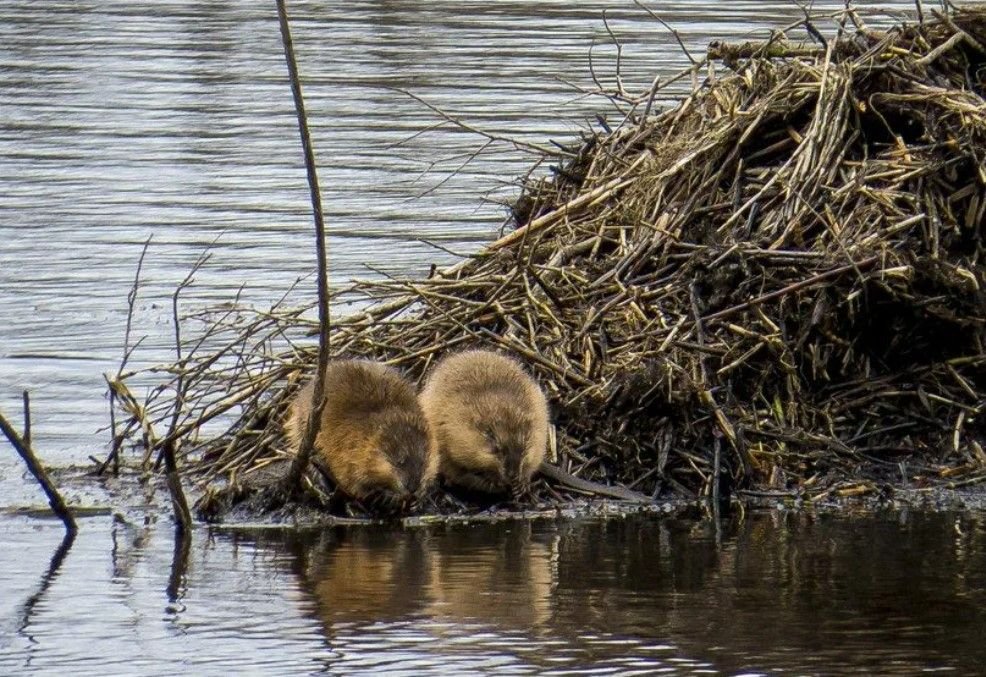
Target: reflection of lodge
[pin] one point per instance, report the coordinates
(791, 589)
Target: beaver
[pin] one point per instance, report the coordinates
(489, 419)
(374, 439)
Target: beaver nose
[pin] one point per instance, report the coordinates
(511, 467)
(385, 502)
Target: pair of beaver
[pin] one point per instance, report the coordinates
(480, 421)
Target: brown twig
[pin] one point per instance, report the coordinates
(116, 436)
(26, 397)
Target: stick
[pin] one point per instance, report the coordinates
(725, 51)
(941, 49)
(519, 145)
(602, 192)
(706, 386)
(117, 439)
(300, 462)
(183, 517)
(865, 263)
(579, 484)
(40, 474)
(27, 419)
(179, 566)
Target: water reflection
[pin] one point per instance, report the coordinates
(371, 575)
(798, 592)
(49, 576)
(367, 576)
(894, 593)
(179, 564)
(505, 581)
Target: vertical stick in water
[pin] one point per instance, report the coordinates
(300, 462)
(183, 516)
(27, 418)
(179, 567)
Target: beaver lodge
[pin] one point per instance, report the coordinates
(779, 281)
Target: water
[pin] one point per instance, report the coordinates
(893, 593)
(173, 120)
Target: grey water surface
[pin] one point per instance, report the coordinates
(172, 120)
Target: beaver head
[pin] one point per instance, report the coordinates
(406, 447)
(505, 462)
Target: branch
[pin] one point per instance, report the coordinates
(40, 474)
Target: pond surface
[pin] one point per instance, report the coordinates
(895, 593)
(173, 120)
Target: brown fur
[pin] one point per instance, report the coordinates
(490, 421)
(373, 437)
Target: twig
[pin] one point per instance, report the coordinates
(183, 517)
(116, 438)
(677, 36)
(179, 565)
(941, 49)
(131, 302)
(492, 136)
(27, 418)
(791, 288)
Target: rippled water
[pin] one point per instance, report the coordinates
(173, 120)
(896, 593)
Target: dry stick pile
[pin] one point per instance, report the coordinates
(782, 275)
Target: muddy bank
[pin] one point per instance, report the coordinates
(136, 502)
